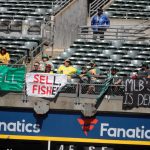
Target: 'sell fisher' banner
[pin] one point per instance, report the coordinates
(44, 84)
(137, 93)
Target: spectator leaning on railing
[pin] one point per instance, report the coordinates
(83, 75)
(116, 81)
(4, 56)
(67, 69)
(94, 71)
(113, 74)
(100, 23)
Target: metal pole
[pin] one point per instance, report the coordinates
(49, 145)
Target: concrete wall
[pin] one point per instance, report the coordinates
(67, 23)
(114, 104)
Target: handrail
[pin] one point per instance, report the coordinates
(95, 5)
(36, 49)
(22, 60)
(141, 26)
(114, 32)
(61, 4)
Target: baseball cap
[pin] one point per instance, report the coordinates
(45, 56)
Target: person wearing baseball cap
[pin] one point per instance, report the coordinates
(67, 68)
(113, 74)
(45, 60)
(100, 23)
(94, 70)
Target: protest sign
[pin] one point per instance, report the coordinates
(137, 93)
(44, 84)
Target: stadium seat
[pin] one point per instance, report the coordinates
(129, 9)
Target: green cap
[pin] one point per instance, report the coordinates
(45, 56)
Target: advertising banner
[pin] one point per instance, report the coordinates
(69, 127)
(137, 93)
(44, 84)
(11, 78)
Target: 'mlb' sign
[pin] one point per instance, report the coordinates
(44, 84)
(137, 93)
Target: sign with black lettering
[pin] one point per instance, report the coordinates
(137, 93)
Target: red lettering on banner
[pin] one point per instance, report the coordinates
(49, 90)
(43, 85)
(36, 78)
(34, 88)
(42, 79)
(47, 81)
(38, 89)
(42, 89)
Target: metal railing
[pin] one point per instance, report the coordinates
(128, 14)
(58, 5)
(38, 50)
(95, 5)
(115, 32)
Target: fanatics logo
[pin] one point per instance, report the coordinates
(87, 124)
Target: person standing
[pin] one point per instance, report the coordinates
(100, 23)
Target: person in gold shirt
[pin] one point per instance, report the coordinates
(67, 69)
(4, 56)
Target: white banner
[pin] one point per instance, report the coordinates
(44, 84)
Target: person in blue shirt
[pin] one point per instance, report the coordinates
(100, 23)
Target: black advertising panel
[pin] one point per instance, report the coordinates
(22, 145)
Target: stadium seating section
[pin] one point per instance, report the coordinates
(130, 9)
(19, 47)
(127, 57)
(15, 14)
(25, 9)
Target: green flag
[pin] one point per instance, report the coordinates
(103, 91)
(11, 78)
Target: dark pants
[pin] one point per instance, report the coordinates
(99, 33)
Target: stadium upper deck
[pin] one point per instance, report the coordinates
(110, 114)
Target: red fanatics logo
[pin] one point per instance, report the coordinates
(87, 124)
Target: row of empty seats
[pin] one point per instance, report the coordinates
(19, 47)
(14, 14)
(18, 9)
(127, 56)
(130, 9)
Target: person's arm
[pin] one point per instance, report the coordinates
(118, 82)
(8, 57)
(59, 70)
(104, 21)
(93, 21)
(52, 65)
